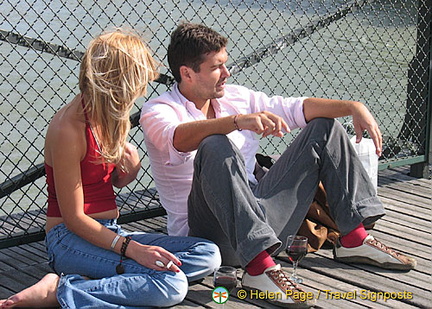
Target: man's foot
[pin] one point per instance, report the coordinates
(373, 252)
(281, 291)
(41, 294)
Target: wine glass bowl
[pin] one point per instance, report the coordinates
(297, 247)
(225, 276)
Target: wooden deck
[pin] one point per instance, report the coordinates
(407, 226)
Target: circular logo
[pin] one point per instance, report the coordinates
(220, 295)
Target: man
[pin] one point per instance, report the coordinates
(202, 137)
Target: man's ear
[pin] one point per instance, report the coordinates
(185, 73)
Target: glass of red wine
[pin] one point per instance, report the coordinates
(296, 250)
(225, 276)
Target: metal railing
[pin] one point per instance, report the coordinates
(377, 52)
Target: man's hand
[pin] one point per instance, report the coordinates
(363, 120)
(264, 123)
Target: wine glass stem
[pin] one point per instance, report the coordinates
(295, 269)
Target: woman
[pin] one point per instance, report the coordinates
(86, 153)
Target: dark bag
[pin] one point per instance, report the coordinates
(318, 225)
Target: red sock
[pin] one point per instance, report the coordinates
(354, 238)
(259, 264)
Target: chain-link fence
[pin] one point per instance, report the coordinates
(376, 52)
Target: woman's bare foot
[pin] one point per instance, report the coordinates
(41, 294)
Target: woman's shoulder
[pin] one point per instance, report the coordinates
(66, 124)
(66, 128)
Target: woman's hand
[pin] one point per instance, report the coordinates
(153, 257)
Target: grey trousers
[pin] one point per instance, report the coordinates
(244, 219)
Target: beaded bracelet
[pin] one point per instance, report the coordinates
(235, 122)
(119, 267)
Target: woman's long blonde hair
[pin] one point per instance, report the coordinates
(114, 72)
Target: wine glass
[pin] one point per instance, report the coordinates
(296, 250)
(225, 276)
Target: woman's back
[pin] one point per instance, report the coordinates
(72, 153)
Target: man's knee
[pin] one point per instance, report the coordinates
(214, 142)
(217, 146)
(326, 126)
(216, 155)
(324, 123)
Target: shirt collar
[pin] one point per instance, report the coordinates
(191, 106)
(182, 98)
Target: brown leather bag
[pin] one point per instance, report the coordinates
(318, 225)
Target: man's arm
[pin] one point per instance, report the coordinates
(188, 136)
(362, 118)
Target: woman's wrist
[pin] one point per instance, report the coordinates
(124, 246)
(114, 242)
(132, 249)
(117, 244)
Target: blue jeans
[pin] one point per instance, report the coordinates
(245, 219)
(139, 287)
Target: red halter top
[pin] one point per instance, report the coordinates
(96, 180)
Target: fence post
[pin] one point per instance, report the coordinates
(420, 98)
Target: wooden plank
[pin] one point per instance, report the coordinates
(38, 271)
(38, 245)
(7, 227)
(333, 293)
(415, 236)
(149, 227)
(14, 260)
(39, 255)
(363, 279)
(410, 187)
(401, 174)
(16, 281)
(396, 194)
(5, 292)
(417, 277)
(24, 251)
(415, 224)
(4, 265)
(422, 204)
(404, 206)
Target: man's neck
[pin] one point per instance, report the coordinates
(204, 106)
(208, 110)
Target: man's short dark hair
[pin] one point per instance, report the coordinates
(189, 43)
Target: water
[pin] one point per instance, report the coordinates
(363, 56)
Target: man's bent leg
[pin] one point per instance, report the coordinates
(221, 205)
(321, 152)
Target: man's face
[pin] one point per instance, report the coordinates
(211, 79)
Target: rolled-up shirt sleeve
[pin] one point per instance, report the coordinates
(159, 122)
